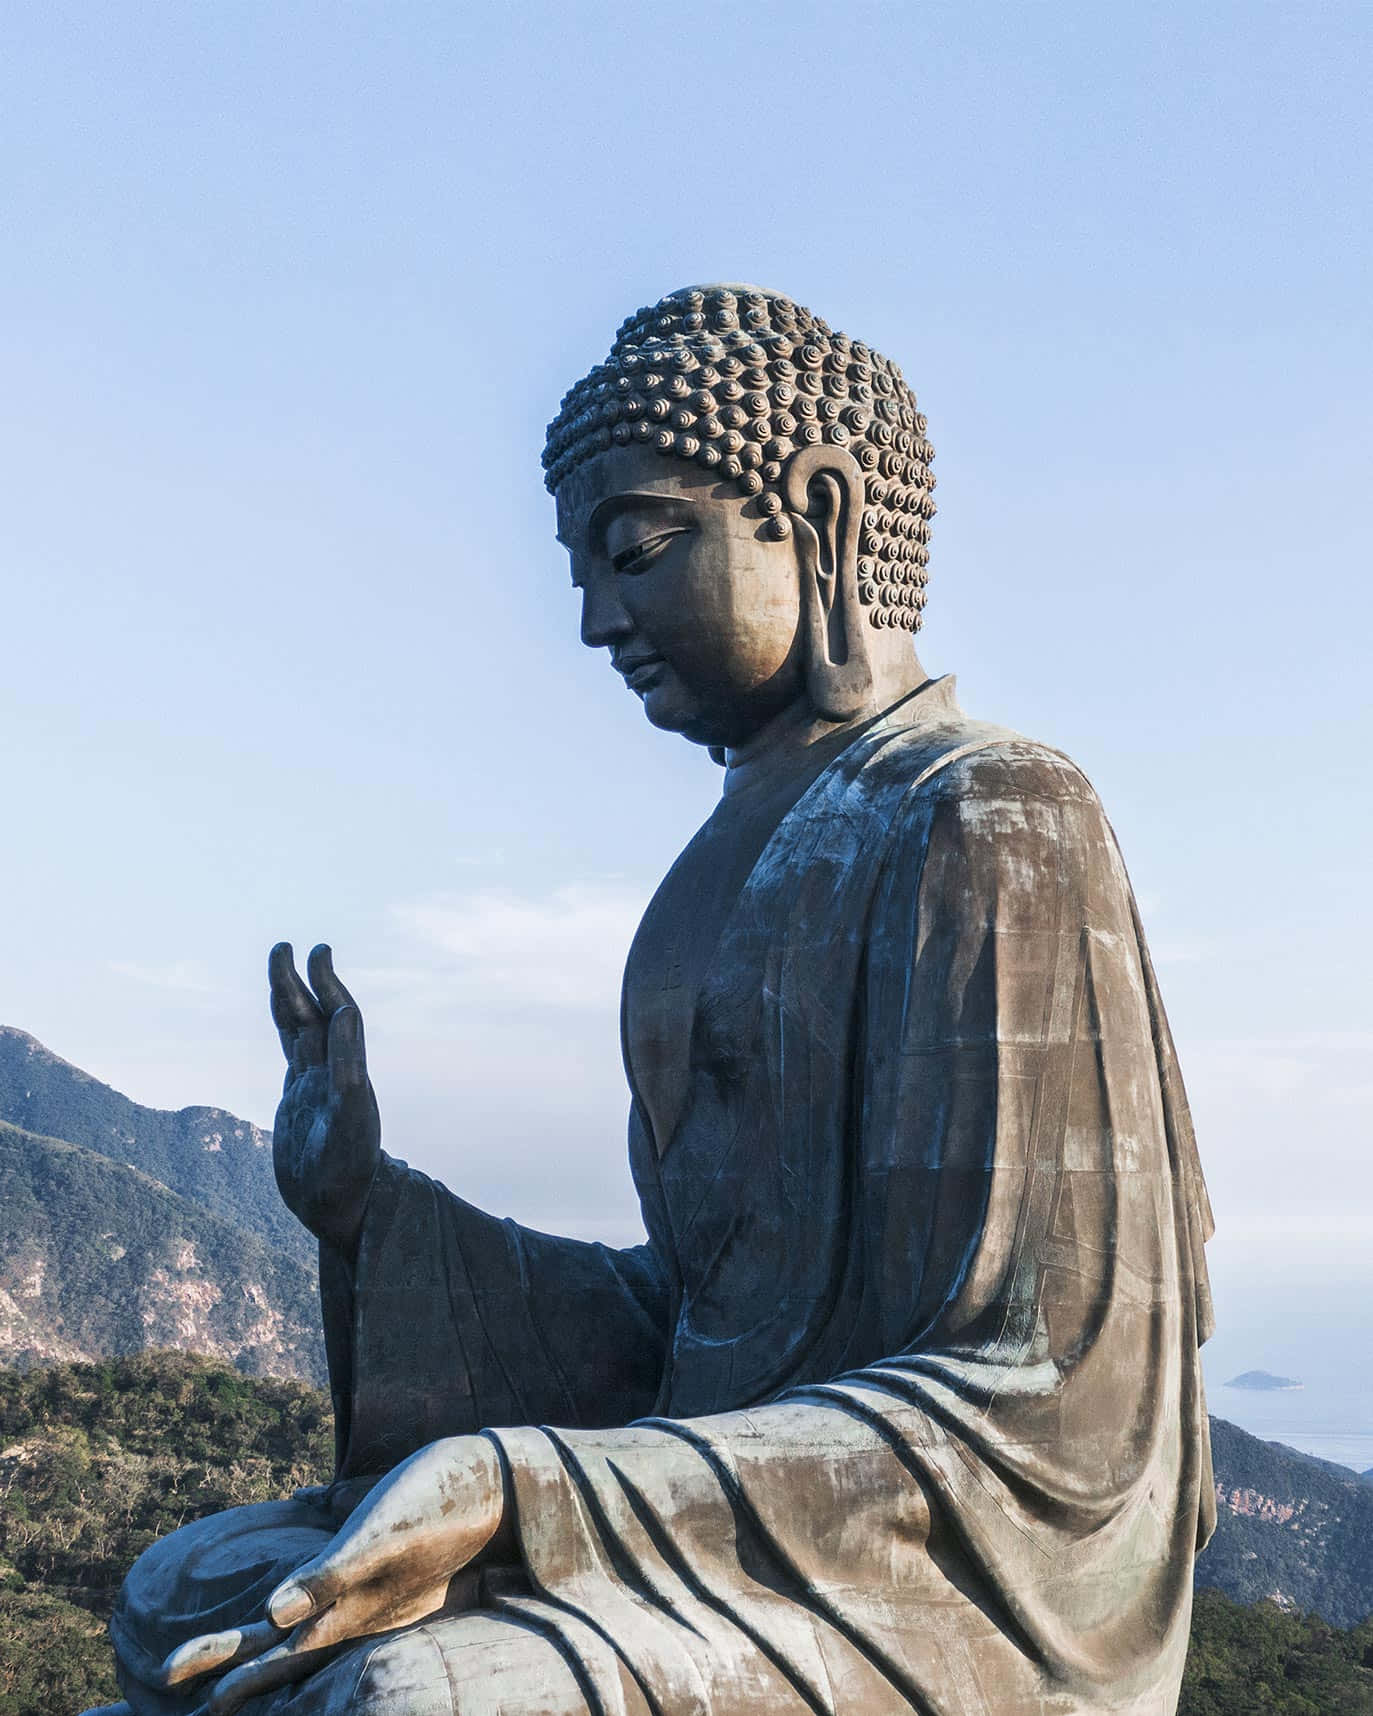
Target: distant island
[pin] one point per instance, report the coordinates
(1264, 1380)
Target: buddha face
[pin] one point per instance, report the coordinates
(697, 603)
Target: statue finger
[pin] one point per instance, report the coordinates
(356, 1614)
(375, 1607)
(370, 1541)
(213, 1652)
(347, 1051)
(295, 1012)
(276, 1668)
(329, 992)
(310, 1589)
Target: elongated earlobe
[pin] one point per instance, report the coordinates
(823, 489)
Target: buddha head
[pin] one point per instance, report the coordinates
(746, 498)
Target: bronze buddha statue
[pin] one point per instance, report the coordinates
(899, 1407)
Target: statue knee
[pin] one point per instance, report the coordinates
(402, 1675)
(475, 1664)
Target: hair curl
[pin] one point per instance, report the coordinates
(737, 380)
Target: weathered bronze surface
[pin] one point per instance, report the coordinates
(900, 1407)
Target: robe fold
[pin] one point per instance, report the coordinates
(900, 1406)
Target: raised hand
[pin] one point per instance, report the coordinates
(392, 1564)
(326, 1142)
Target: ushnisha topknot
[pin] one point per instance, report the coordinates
(738, 379)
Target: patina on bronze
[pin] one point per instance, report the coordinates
(899, 1408)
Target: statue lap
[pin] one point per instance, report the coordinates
(216, 1573)
(477, 1664)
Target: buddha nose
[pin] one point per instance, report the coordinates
(604, 620)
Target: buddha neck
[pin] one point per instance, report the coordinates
(798, 742)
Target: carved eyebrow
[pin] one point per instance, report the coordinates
(672, 507)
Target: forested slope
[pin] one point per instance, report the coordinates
(1289, 1528)
(97, 1258)
(98, 1460)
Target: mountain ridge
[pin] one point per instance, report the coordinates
(98, 1258)
(203, 1153)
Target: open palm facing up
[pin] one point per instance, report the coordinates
(326, 1141)
(391, 1565)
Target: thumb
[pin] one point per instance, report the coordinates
(310, 1588)
(291, 1603)
(347, 1051)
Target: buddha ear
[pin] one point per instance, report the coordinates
(823, 490)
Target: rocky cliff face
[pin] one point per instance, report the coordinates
(97, 1258)
(124, 1228)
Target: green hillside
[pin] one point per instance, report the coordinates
(97, 1258)
(1289, 1528)
(203, 1154)
(98, 1460)
(1261, 1661)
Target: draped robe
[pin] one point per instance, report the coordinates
(900, 1406)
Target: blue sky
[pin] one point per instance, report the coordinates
(289, 292)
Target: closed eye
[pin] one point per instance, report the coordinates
(639, 556)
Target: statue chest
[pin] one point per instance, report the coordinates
(670, 962)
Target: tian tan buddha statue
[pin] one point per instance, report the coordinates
(899, 1408)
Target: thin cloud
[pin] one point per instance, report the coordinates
(564, 949)
(1331, 1065)
(1180, 950)
(181, 977)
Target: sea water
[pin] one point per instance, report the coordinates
(1330, 1420)
(1318, 1332)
